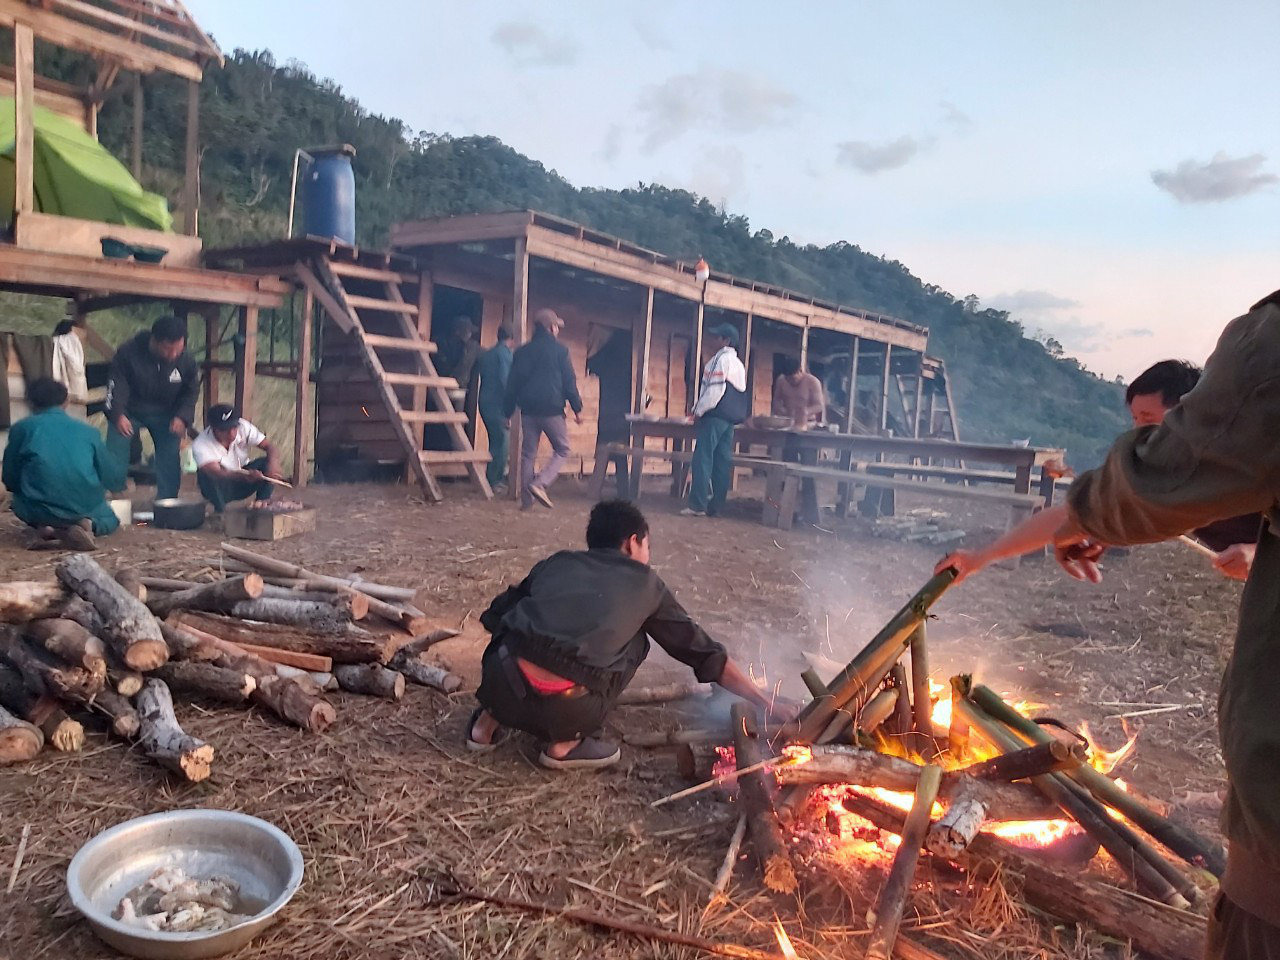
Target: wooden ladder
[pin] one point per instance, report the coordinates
(328, 280)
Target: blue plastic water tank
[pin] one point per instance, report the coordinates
(329, 197)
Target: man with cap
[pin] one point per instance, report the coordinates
(152, 386)
(224, 471)
(541, 382)
(722, 405)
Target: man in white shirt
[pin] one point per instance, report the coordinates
(221, 451)
(722, 405)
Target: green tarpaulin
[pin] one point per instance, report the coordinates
(75, 176)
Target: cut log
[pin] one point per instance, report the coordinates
(371, 679)
(893, 896)
(1154, 929)
(124, 681)
(19, 740)
(430, 675)
(955, 830)
(84, 613)
(132, 582)
(47, 677)
(305, 614)
(281, 568)
(349, 648)
(755, 792)
(23, 600)
(283, 697)
(663, 693)
(219, 596)
(164, 741)
(303, 661)
(351, 604)
(313, 682)
(71, 643)
(418, 646)
(206, 681)
(126, 622)
(125, 720)
(1033, 761)
(60, 731)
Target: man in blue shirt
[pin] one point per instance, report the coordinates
(493, 368)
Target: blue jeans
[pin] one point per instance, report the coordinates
(495, 424)
(712, 465)
(168, 468)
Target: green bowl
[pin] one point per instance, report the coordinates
(149, 254)
(116, 249)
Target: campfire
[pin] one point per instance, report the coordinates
(885, 764)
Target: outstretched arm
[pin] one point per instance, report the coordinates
(1034, 533)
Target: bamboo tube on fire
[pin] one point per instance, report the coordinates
(893, 896)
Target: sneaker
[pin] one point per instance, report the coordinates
(590, 754)
(78, 538)
(539, 493)
(690, 512)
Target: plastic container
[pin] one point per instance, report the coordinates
(329, 194)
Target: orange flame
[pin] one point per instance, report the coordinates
(1103, 760)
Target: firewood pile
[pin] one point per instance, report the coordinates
(92, 647)
(867, 758)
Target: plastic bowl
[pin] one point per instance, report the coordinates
(146, 254)
(204, 843)
(175, 514)
(116, 249)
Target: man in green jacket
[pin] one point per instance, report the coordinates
(57, 469)
(1216, 455)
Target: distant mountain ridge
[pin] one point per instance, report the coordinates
(255, 113)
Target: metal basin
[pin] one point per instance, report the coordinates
(204, 843)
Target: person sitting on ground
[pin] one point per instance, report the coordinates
(57, 469)
(221, 451)
(568, 640)
(797, 395)
(1150, 397)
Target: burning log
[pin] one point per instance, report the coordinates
(207, 681)
(283, 697)
(43, 675)
(23, 600)
(71, 643)
(663, 693)
(19, 740)
(755, 794)
(1052, 757)
(958, 733)
(1184, 842)
(345, 648)
(1154, 929)
(217, 597)
(893, 897)
(900, 723)
(164, 741)
(1133, 855)
(125, 721)
(952, 834)
(371, 679)
(127, 624)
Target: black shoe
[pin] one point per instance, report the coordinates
(590, 754)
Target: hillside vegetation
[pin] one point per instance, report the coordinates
(255, 112)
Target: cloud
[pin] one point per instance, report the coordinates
(959, 121)
(1030, 301)
(612, 145)
(650, 35)
(1219, 179)
(1137, 333)
(726, 100)
(528, 45)
(872, 158)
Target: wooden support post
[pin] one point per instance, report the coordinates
(645, 344)
(915, 411)
(804, 346)
(135, 146)
(247, 361)
(884, 387)
(520, 331)
(191, 179)
(211, 317)
(746, 340)
(24, 92)
(426, 297)
(302, 425)
(695, 380)
(850, 414)
(951, 407)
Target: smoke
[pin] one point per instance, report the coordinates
(1214, 181)
(528, 45)
(872, 158)
(727, 101)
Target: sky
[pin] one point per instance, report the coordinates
(1108, 173)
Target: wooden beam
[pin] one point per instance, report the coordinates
(463, 229)
(520, 331)
(337, 312)
(884, 389)
(83, 38)
(301, 433)
(135, 146)
(191, 178)
(850, 414)
(246, 365)
(130, 25)
(24, 119)
(915, 413)
(804, 348)
(746, 341)
(645, 344)
(211, 334)
(64, 99)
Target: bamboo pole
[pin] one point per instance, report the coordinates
(921, 700)
(893, 896)
(1184, 842)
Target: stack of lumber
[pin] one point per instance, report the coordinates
(124, 647)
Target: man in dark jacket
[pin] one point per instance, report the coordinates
(494, 370)
(153, 387)
(568, 640)
(1216, 455)
(542, 381)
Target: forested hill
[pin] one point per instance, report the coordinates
(255, 112)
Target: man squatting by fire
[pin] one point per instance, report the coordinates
(568, 639)
(1213, 456)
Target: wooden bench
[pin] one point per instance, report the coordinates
(605, 452)
(780, 503)
(1047, 482)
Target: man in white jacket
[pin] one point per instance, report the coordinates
(722, 405)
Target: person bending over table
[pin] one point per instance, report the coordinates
(223, 468)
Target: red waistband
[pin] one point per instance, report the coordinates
(542, 681)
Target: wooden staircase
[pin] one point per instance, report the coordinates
(367, 303)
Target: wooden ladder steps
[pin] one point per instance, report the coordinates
(399, 343)
(433, 416)
(453, 456)
(386, 306)
(420, 380)
(358, 272)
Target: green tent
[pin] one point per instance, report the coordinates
(75, 176)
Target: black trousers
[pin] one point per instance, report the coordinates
(554, 718)
(1236, 934)
(220, 492)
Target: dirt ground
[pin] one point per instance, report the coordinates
(387, 802)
